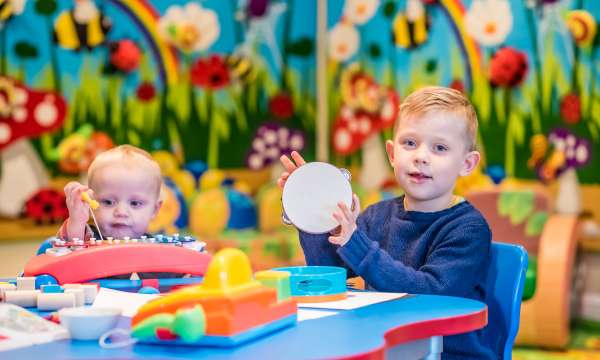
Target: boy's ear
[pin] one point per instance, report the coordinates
(470, 163)
(389, 148)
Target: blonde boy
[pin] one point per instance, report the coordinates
(126, 182)
(428, 241)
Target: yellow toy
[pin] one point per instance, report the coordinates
(93, 203)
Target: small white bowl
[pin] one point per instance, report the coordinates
(88, 323)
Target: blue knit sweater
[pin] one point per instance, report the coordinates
(445, 252)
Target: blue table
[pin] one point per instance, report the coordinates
(405, 328)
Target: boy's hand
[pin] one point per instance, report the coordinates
(289, 166)
(347, 219)
(79, 210)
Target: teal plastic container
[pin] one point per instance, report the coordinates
(316, 280)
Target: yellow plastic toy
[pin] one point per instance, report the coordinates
(93, 203)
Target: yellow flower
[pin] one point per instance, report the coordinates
(582, 26)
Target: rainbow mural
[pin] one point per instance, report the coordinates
(455, 11)
(145, 17)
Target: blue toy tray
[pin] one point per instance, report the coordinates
(316, 280)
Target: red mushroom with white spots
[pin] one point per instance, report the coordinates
(24, 113)
(367, 110)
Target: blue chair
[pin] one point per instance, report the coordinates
(505, 282)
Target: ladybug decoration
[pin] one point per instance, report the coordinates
(47, 206)
(124, 56)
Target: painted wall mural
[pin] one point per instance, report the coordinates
(190, 77)
(232, 83)
(529, 67)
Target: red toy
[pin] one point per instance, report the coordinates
(93, 261)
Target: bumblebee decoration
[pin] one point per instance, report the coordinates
(241, 68)
(83, 27)
(6, 10)
(411, 28)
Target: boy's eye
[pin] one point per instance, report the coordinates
(441, 148)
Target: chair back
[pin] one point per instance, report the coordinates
(505, 282)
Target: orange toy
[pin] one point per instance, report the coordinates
(233, 303)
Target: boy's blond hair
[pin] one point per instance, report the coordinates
(129, 156)
(437, 98)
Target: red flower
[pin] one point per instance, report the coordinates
(457, 84)
(125, 55)
(281, 106)
(570, 108)
(508, 67)
(145, 92)
(210, 73)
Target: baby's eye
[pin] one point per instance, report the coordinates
(136, 203)
(107, 202)
(441, 148)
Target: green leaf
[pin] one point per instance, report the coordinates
(302, 47)
(45, 7)
(374, 50)
(504, 202)
(430, 66)
(535, 224)
(389, 9)
(134, 138)
(521, 207)
(25, 50)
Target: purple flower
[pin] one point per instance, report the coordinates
(257, 8)
(577, 151)
(270, 142)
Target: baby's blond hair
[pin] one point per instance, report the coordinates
(437, 98)
(129, 156)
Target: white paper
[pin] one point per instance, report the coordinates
(355, 300)
(309, 314)
(128, 302)
(20, 327)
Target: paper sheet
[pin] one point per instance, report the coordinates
(309, 314)
(128, 302)
(355, 300)
(20, 328)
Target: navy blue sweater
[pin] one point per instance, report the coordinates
(445, 252)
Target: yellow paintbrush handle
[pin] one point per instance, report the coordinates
(93, 203)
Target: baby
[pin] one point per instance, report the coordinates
(126, 182)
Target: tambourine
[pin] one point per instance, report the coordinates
(311, 195)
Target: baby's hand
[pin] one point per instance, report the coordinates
(289, 166)
(79, 210)
(347, 219)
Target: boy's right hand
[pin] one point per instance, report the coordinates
(289, 166)
(79, 210)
